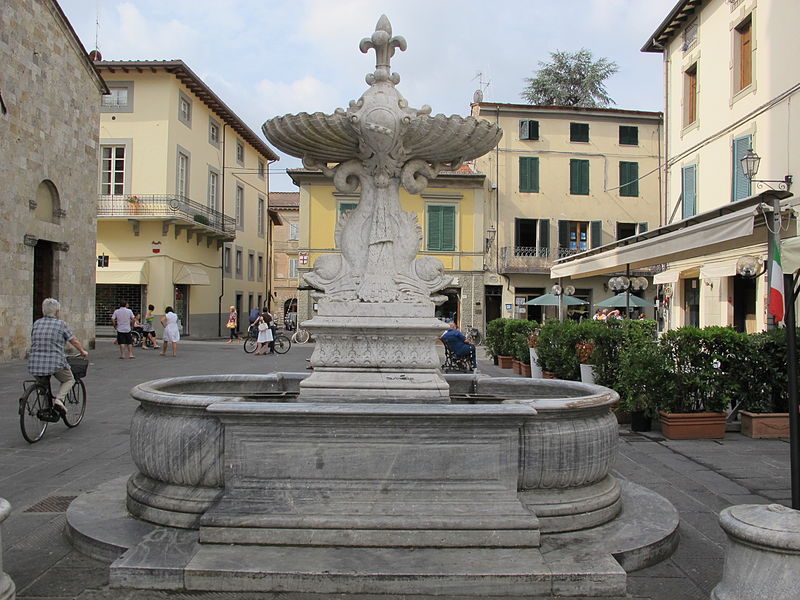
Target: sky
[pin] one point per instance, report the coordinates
(266, 58)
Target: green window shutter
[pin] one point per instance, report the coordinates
(579, 177)
(563, 234)
(346, 207)
(642, 228)
(544, 236)
(597, 234)
(628, 179)
(689, 191)
(442, 228)
(578, 132)
(628, 135)
(740, 185)
(528, 130)
(528, 174)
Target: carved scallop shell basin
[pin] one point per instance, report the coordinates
(238, 457)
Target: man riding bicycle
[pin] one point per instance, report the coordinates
(47, 356)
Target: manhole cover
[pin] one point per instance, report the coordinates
(53, 504)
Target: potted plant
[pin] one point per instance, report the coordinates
(645, 377)
(703, 383)
(516, 335)
(494, 336)
(585, 350)
(133, 204)
(764, 405)
(556, 349)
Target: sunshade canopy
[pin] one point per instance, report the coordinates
(624, 299)
(553, 300)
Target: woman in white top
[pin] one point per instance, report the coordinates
(171, 332)
(264, 332)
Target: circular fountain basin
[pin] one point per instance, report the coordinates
(553, 443)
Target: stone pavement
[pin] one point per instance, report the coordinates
(699, 477)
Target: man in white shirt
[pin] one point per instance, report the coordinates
(123, 319)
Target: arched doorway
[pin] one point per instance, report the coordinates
(43, 274)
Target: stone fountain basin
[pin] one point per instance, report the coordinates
(239, 458)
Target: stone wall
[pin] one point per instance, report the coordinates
(49, 131)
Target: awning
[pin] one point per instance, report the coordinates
(726, 268)
(669, 276)
(190, 275)
(659, 247)
(132, 272)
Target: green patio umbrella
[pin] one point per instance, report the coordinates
(622, 300)
(553, 300)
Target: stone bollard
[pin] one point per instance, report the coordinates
(763, 557)
(6, 585)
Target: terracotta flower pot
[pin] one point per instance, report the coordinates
(526, 370)
(504, 362)
(693, 426)
(549, 375)
(517, 366)
(765, 425)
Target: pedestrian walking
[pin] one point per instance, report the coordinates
(172, 334)
(233, 324)
(123, 319)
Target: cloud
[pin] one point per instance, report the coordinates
(136, 37)
(307, 94)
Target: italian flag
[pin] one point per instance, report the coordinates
(776, 284)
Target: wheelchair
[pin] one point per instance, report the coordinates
(453, 363)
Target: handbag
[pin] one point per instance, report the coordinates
(263, 326)
(230, 324)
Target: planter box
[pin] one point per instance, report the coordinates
(549, 375)
(693, 426)
(525, 370)
(765, 425)
(536, 370)
(504, 362)
(517, 366)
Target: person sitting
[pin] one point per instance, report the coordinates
(459, 345)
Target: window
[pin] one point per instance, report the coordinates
(689, 191)
(184, 109)
(239, 263)
(261, 207)
(740, 184)
(120, 99)
(213, 190)
(626, 230)
(532, 237)
(628, 135)
(528, 174)
(578, 132)
(182, 175)
(251, 266)
(239, 152)
(293, 231)
(528, 130)
(441, 228)
(226, 261)
(743, 60)
(239, 208)
(628, 178)
(260, 268)
(262, 169)
(346, 207)
(577, 236)
(112, 170)
(292, 268)
(213, 132)
(579, 176)
(690, 95)
(690, 36)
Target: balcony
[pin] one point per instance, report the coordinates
(530, 259)
(181, 212)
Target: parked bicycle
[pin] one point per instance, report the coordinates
(301, 336)
(36, 404)
(282, 343)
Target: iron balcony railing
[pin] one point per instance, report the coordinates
(165, 206)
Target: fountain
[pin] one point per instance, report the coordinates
(376, 474)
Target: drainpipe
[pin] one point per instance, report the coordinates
(222, 248)
(268, 237)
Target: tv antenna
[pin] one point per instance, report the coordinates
(482, 86)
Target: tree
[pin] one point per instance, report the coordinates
(571, 79)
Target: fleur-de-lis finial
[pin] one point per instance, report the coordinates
(384, 44)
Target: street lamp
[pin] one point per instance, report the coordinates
(491, 234)
(625, 284)
(750, 267)
(750, 163)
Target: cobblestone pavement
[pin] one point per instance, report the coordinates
(699, 477)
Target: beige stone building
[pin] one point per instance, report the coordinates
(284, 255)
(732, 84)
(561, 181)
(49, 113)
(183, 217)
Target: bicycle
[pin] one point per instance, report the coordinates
(301, 336)
(282, 343)
(36, 404)
(474, 336)
(140, 340)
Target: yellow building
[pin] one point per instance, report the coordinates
(450, 212)
(563, 180)
(732, 84)
(182, 210)
(285, 261)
